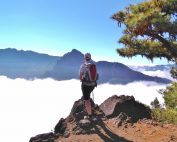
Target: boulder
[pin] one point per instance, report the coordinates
(122, 119)
(114, 105)
(61, 126)
(85, 122)
(59, 130)
(78, 111)
(49, 137)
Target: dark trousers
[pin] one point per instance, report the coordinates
(86, 91)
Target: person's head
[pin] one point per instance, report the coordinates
(87, 56)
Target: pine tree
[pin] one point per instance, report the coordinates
(150, 29)
(155, 103)
(170, 96)
(174, 72)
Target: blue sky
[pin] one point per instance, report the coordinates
(58, 26)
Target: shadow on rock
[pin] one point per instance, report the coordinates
(109, 136)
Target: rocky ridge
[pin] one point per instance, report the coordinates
(119, 119)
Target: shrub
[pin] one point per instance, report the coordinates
(165, 115)
(170, 96)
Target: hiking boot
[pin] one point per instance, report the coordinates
(86, 117)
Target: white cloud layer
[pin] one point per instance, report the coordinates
(159, 73)
(29, 108)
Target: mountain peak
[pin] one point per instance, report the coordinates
(73, 54)
(75, 51)
(9, 50)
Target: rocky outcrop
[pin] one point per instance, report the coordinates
(78, 111)
(118, 109)
(60, 126)
(121, 119)
(61, 129)
(114, 105)
(47, 137)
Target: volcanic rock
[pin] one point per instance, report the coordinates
(60, 126)
(44, 137)
(114, 105)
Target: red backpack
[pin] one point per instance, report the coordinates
(91, 74)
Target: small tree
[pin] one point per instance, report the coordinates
(155, 103)
(170, 96)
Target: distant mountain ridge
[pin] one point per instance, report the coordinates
(68, 66)
(29, 65)
(25, 64)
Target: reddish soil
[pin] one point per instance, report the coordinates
(107, 131)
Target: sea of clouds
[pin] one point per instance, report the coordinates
(28, 108)
(160, 73)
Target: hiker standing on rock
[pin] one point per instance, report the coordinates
(88, 77)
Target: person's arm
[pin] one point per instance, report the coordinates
(81, 77)
(81, 73)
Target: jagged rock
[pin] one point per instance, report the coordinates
(79, 131)
(61, 126)
(120, 111)
(82, 129)
(66, 134)
(121, 119)
(173, 138)
(149, 121)
(114, 105)
(78, 111)
(84, 122)
(48, 137)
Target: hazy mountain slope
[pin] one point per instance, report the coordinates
(28, 64)
(25, 64)
(68, 66)
(119, 73)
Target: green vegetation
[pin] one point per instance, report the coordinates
(155, 103)
(165, 115)
(174, 72)
(151, 31)
(169, 113)
(170, 96)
